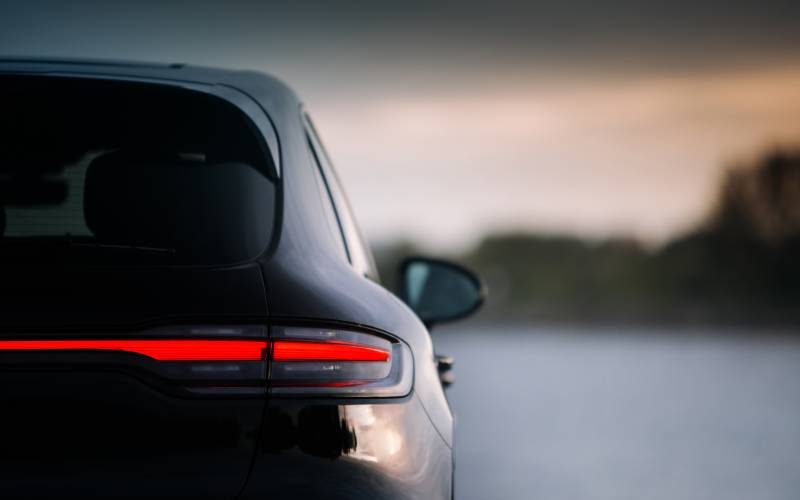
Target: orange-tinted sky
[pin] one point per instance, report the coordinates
(450, 120)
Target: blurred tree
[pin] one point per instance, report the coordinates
(762, 199)
(740, 266)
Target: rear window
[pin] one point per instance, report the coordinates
(108, 172)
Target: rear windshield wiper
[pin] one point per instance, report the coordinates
(124, 248)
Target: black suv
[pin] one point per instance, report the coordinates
(188, 309)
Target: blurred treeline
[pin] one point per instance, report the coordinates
(740, 266)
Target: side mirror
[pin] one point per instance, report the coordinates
(439, 291)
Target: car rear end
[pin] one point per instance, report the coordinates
(175, 321)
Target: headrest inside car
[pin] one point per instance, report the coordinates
(201, 210)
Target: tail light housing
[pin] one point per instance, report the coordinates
(204, 360)
(307, 361)
(234, 360)
(193, 350)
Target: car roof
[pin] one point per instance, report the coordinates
(179, 72)
(279, 102)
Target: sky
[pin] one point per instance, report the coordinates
(451, 120)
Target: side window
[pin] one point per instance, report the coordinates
(334, 226)
(359, 254)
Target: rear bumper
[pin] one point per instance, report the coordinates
(69, 432)
(313, 449)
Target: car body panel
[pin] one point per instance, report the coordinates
(74, 432)
(311, 449)
(49, 298)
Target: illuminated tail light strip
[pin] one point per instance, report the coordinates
(298, 350)
(210, 350)
(302, 361)
(161, 350)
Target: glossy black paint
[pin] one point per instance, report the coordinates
(46, 296)
(80, 432)
(115, 433)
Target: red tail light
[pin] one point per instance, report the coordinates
(161, 350)
(328, 362)
(303, 361)
(294, 350)
(214, 360)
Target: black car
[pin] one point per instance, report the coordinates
(187, 308)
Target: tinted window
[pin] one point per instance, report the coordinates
(332, 218)
(112, 171)
(360, 256)
(45, 219)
